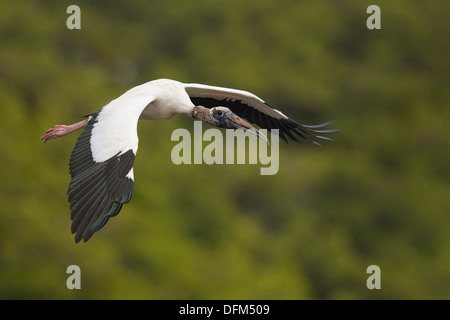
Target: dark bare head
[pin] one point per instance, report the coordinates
(223, 117)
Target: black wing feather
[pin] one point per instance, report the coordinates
(97, 190)
(286, 126)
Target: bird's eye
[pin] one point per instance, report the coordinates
(219, 112)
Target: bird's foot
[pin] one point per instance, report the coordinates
(55, 132)
(62, 130)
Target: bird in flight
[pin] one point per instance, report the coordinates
(101, 163)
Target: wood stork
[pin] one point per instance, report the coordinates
(101, 163)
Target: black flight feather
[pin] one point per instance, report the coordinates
(97, 190)
(286, 126)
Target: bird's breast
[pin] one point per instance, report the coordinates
(163, 110)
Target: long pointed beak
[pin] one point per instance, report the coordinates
(236, 122)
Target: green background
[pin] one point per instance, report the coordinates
(379, 194)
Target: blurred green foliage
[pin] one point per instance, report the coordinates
(379, 194)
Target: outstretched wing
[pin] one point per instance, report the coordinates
(252, 108)
(101, 164)
(98, 189)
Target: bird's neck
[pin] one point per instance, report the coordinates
(203, 114)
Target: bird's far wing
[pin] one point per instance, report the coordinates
(252, 108)
(97, 190)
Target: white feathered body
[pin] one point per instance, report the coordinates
(116, 128)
